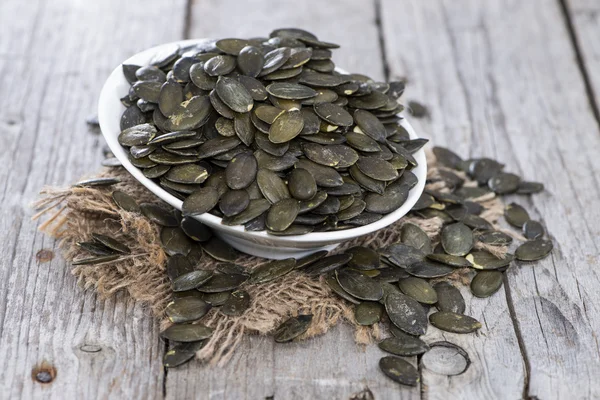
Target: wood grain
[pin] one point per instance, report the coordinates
(502, 81)
(54, 57)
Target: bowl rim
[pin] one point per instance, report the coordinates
(109, 95)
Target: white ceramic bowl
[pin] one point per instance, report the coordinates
(257, 243)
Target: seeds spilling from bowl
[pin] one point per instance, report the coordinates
(265, 133)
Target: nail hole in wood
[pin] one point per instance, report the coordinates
(44, 373)
(446, 358)
(90, 348)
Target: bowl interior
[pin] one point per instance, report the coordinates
(110, 109)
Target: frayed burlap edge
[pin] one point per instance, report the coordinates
(72, 214)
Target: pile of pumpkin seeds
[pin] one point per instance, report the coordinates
(265, 133)
(402, 284)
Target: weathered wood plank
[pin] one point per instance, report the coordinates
(54, 57)
(327, 367)
(584, 16)
(501, 80)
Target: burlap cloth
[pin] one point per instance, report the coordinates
(72, 214)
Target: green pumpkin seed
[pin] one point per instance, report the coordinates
(199, 202)
(310, 259)
(272, 270)
(291, 91)
(359, 286)
(156, 171)
(368, 313)
(96, 260)
(418, 289)
(190, 280)
(414, 236)
(215, 299)
(187, 333)
(324, 176)
(399, 370)
(320, 154)
(186, 309)
(219, 250)
(337, 289)
(111, 243)
(534, 250)
(453, 261)
(495, 238)
(256, 89)
(255, 208)
(404, 346)
(429, 269)
(328, 264)
(272, 186)
(222, 283)
(391, 199)
(282, 214)
(286, 127)
(504, 183)
(530, 187)
(363, 258)
(268, 114)
(533, 230)
(484, 260)
(236, 304)
(406, 313)
(292, 328)
(241, 171)
(125, 202)
(220, 65)
(234, 202)
(486, 283)
(217, 146)
(234, 94)
(275, 59)
(175, 241)
(178, 265)
(477, 223)
(402, 255)
(201, 79)
(97, 182)
(301, 184)
(250, 61)
(95, 248)
(195, 229)
(181, 353)
(453, 322)
(449, 298)
(334, 114)
(187, 174)
(516, 215)
(457, 239)
(482, 170)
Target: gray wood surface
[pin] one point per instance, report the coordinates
(512, 80)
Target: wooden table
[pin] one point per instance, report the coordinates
(514, 80)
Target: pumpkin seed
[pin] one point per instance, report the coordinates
(368, 313)
(406, 313)
(178, 265)
(495, 238)
(504, 183)
(286, 127)
(486, 283)
(404, 346)
(200, 201)
(187, 333)
(529, 187)
(282, 214)
(429, 269)
(272, 270)
(402, 255)
(292, 328)
(453, 322)
(222, 283)
(237, 303)
(363, 258)
(324, 176)
(111, 243)
(516, 215)
(96, 260)
(418, 289)
(334, 114)
(449, 298)
(301, 184)
(215, 299)
(234, 94)
(485, 260)
(457, 239)
(358, 285)
(175, 241)
(234, 202)
(125, 202)
(186, 309)
(219, 250)
(190, 280)
(95, 248)
(453, 261)
(97, 182)
(181, 353)
(413, 236)
(399, 370)
(310, 259)
(188, 174)
(328, 264)
(533, 230)
(250, 61)
(291, 91)
(255, 208)
(534, 250)
(195, 229)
